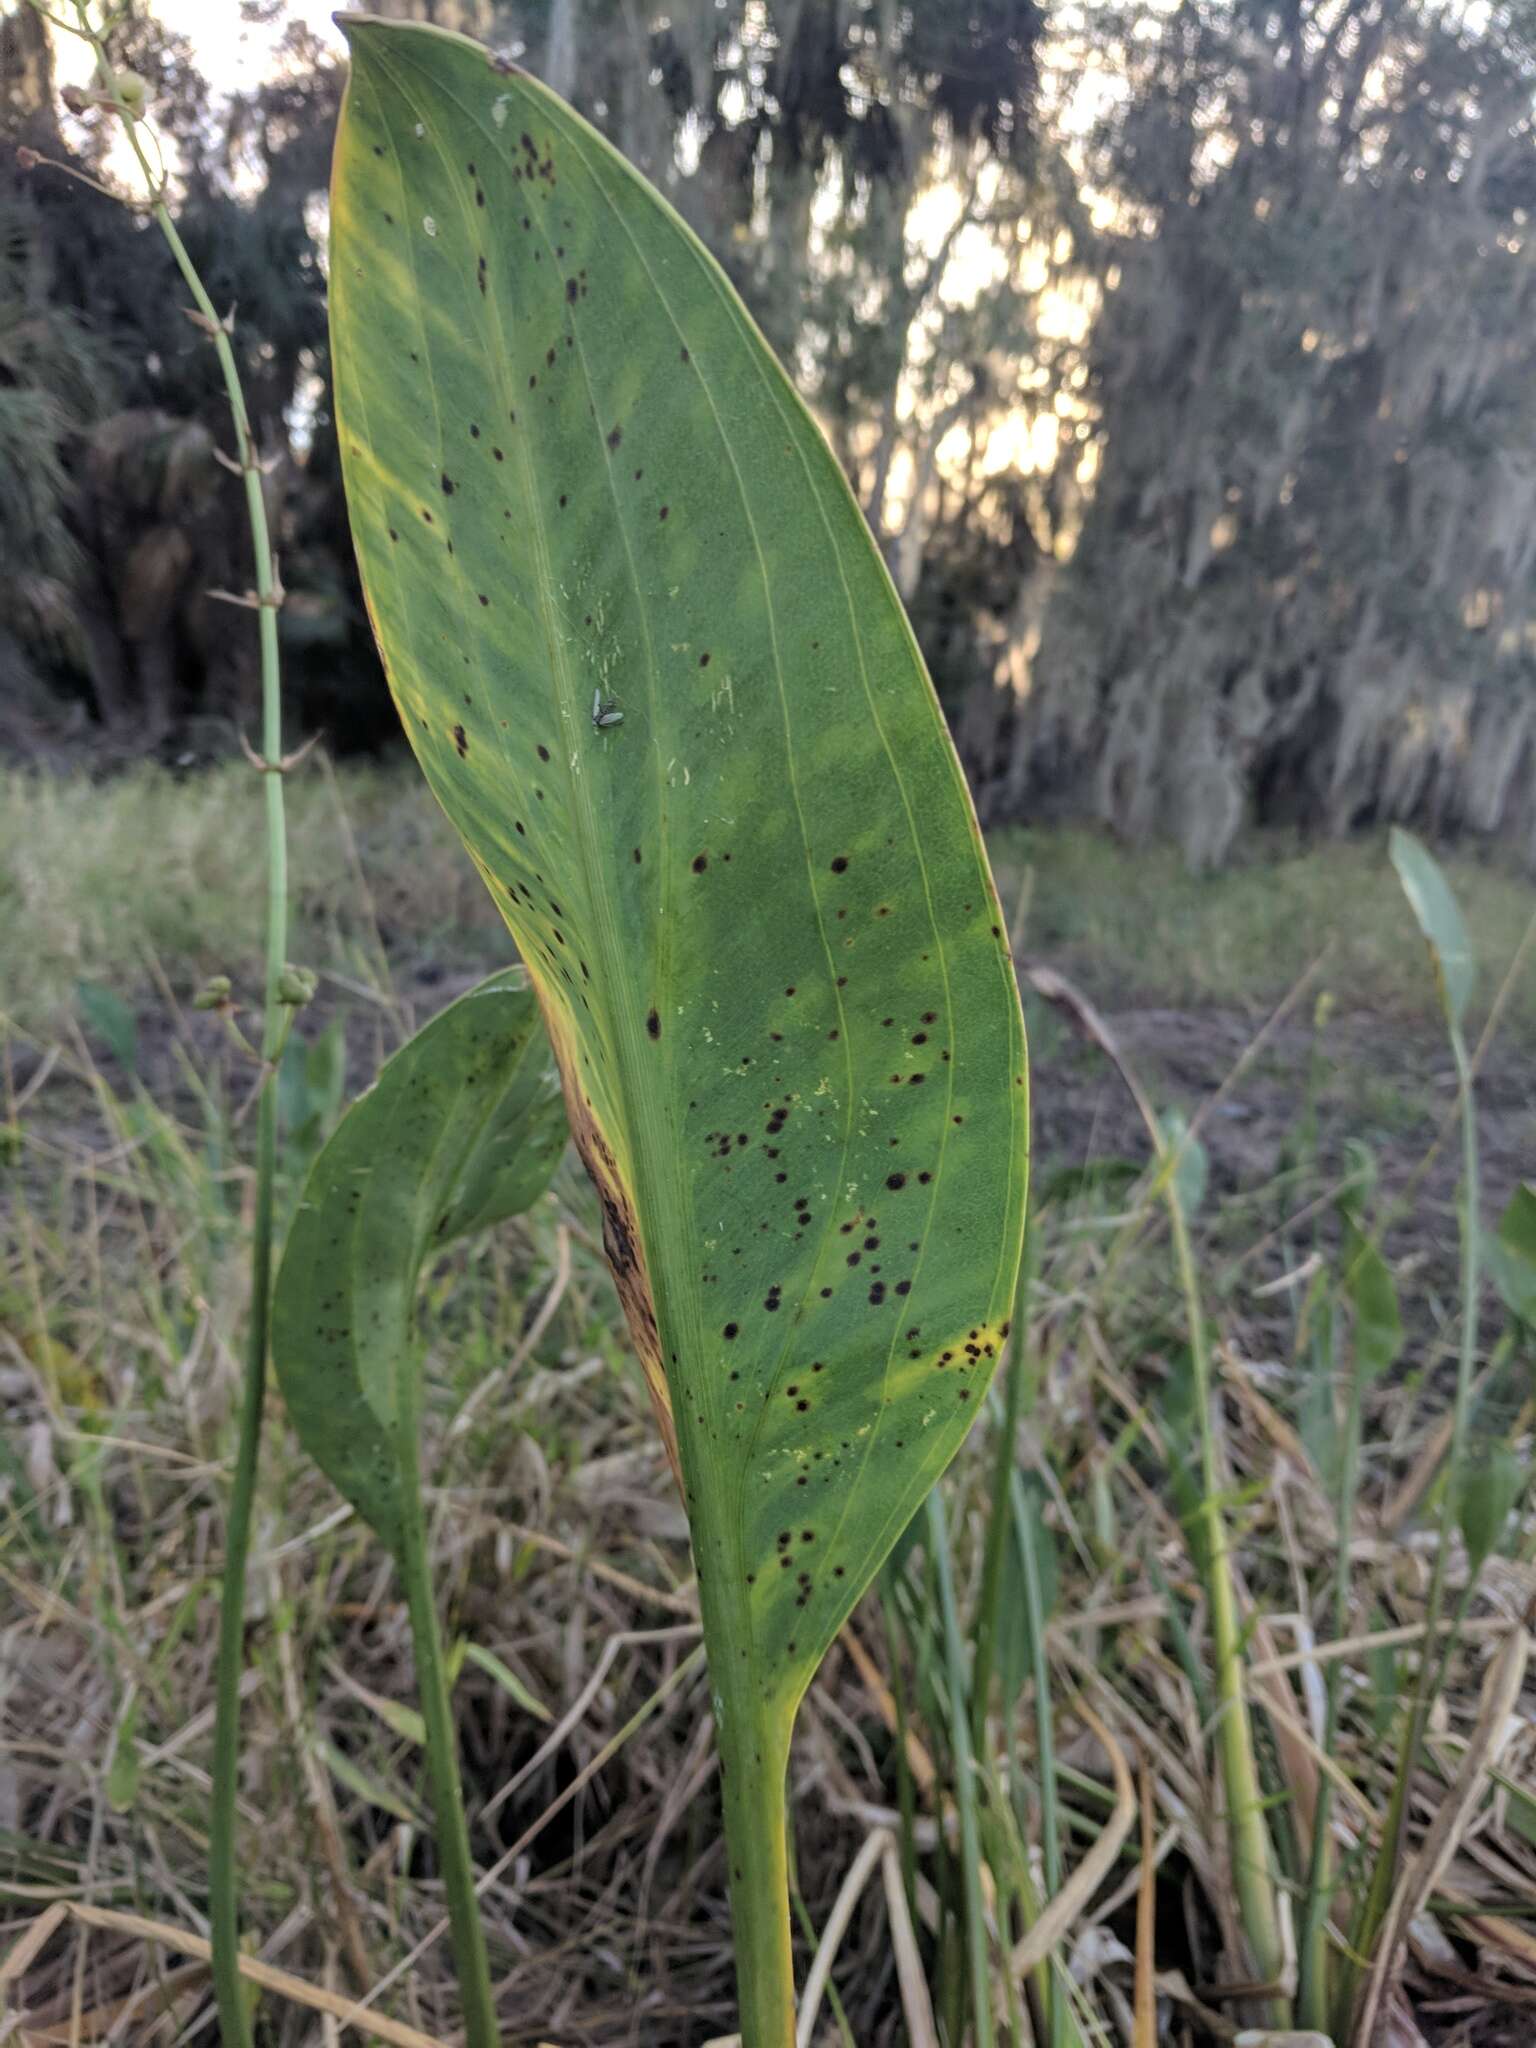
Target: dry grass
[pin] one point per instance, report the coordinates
(560, 1549)
(101, 880)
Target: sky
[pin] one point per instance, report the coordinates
(230, 51)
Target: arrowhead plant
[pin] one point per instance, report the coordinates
(463, 1127)
(655, 672)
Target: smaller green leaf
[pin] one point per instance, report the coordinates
(1373, 1297)
(1490, 1486)
(111, 1020)
(505, 1677)
(1316, 1407)
(1382, 1694)
(1016, 1646)
(123, 1770)
(1361, 1174)
(364, 1785)
(463, 1128)
(1440, 920)
(1512, 1254)
(310, 1085)
(1191, 1169)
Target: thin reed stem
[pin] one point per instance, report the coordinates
(223, 1878)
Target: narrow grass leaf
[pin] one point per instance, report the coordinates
(108, 1018)
(486, 1661)
(1440, 920)
(365, 1785)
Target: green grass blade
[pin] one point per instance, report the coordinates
(1440, 919)
(1445, 932)
(655, 672)
(963, 1758)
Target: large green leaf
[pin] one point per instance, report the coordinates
(757, 911)
(463, 1127)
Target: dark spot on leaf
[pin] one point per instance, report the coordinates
(664, 511)
(700, 863)
(684, 355)
(731, 1330)
(615, 436)
(895, 1180)
(460, 741)
(653, 1025)
(543, 752)
(840, 865)
(448, 485)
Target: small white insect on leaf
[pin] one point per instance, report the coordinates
(605, 715)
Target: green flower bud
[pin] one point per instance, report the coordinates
(296, 986)
(132, 94)
(214, 993)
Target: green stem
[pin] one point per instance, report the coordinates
(1252, 1857)
(754, 1763)
(989, 1603)
(223, 1878)
(1314, 1953)
(465, 1927)
(1025, 1525)
(965, 1779)
(1373, 1912)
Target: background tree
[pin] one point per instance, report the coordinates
(1181, 360)
(1303, 586)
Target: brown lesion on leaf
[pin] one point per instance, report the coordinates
(621, 1229)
